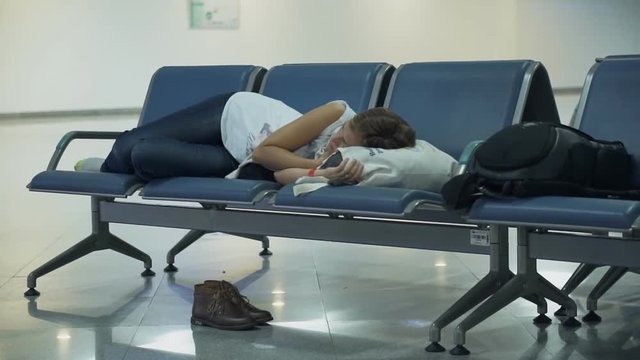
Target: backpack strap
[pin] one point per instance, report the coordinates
(460, 192)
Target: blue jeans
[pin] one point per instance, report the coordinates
(185, 143)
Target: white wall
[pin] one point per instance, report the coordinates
(566, 35)
(60, 55)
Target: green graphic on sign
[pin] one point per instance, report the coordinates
(214, 14)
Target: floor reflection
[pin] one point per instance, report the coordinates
(610, 341)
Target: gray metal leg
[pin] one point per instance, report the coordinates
(188, 239)
(549, 291)
(262, 238)
(610, 277)
(522, 285)
(498, 275)
(539, 300)
(194, 235)
(483, 289)
(100, 239)
(578, 276)
(503, 297)
(527, 284)
(84, 247)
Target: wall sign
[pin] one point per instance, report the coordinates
(214, 14)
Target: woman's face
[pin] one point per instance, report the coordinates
(345, 137)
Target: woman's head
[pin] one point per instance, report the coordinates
(381, 128)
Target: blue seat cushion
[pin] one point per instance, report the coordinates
(558, 212)
(85, 183)
(209, 190)
(354, 199)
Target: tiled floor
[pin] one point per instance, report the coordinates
(329, 300)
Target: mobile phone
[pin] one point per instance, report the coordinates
(334, 160)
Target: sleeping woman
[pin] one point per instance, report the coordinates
(266, 138)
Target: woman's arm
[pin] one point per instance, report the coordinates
(276, 151)
(348, 172)
(290, 175)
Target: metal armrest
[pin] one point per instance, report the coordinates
(466, 158)
(72, 135)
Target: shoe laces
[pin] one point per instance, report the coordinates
(217, 305)
(228, 286)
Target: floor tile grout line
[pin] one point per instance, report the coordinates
(152, 298)
(324, 308)
(43, 251)
(464, 264)
(147, 307)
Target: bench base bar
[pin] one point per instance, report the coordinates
(396, 233)
(584, 249)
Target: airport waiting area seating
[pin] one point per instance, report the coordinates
(450, 104)
(301, 86)
(612, 275)
(171, 88)
(590, 231)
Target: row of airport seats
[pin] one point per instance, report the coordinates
(450, 104)
(592, 231)
(614, 273)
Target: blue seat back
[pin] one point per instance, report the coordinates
(306, 86)
(450, 104)
(176, 87)
(609, 108)
(613, 57)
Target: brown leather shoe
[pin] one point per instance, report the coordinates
(259, 315)
(216, 308)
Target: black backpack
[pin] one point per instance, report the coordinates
(540, 158)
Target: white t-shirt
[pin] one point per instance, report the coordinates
(248, 118)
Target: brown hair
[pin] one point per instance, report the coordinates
(382, 128)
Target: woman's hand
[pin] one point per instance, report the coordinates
(329, 150)
(349, 171)
(322, 158)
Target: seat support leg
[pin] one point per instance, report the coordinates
(578, 276)
(527, 284)
(100, 239)
(194, 235)
(188, 239)
(610, 277)
(498, 275)
(511, 291)
(262, 238)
